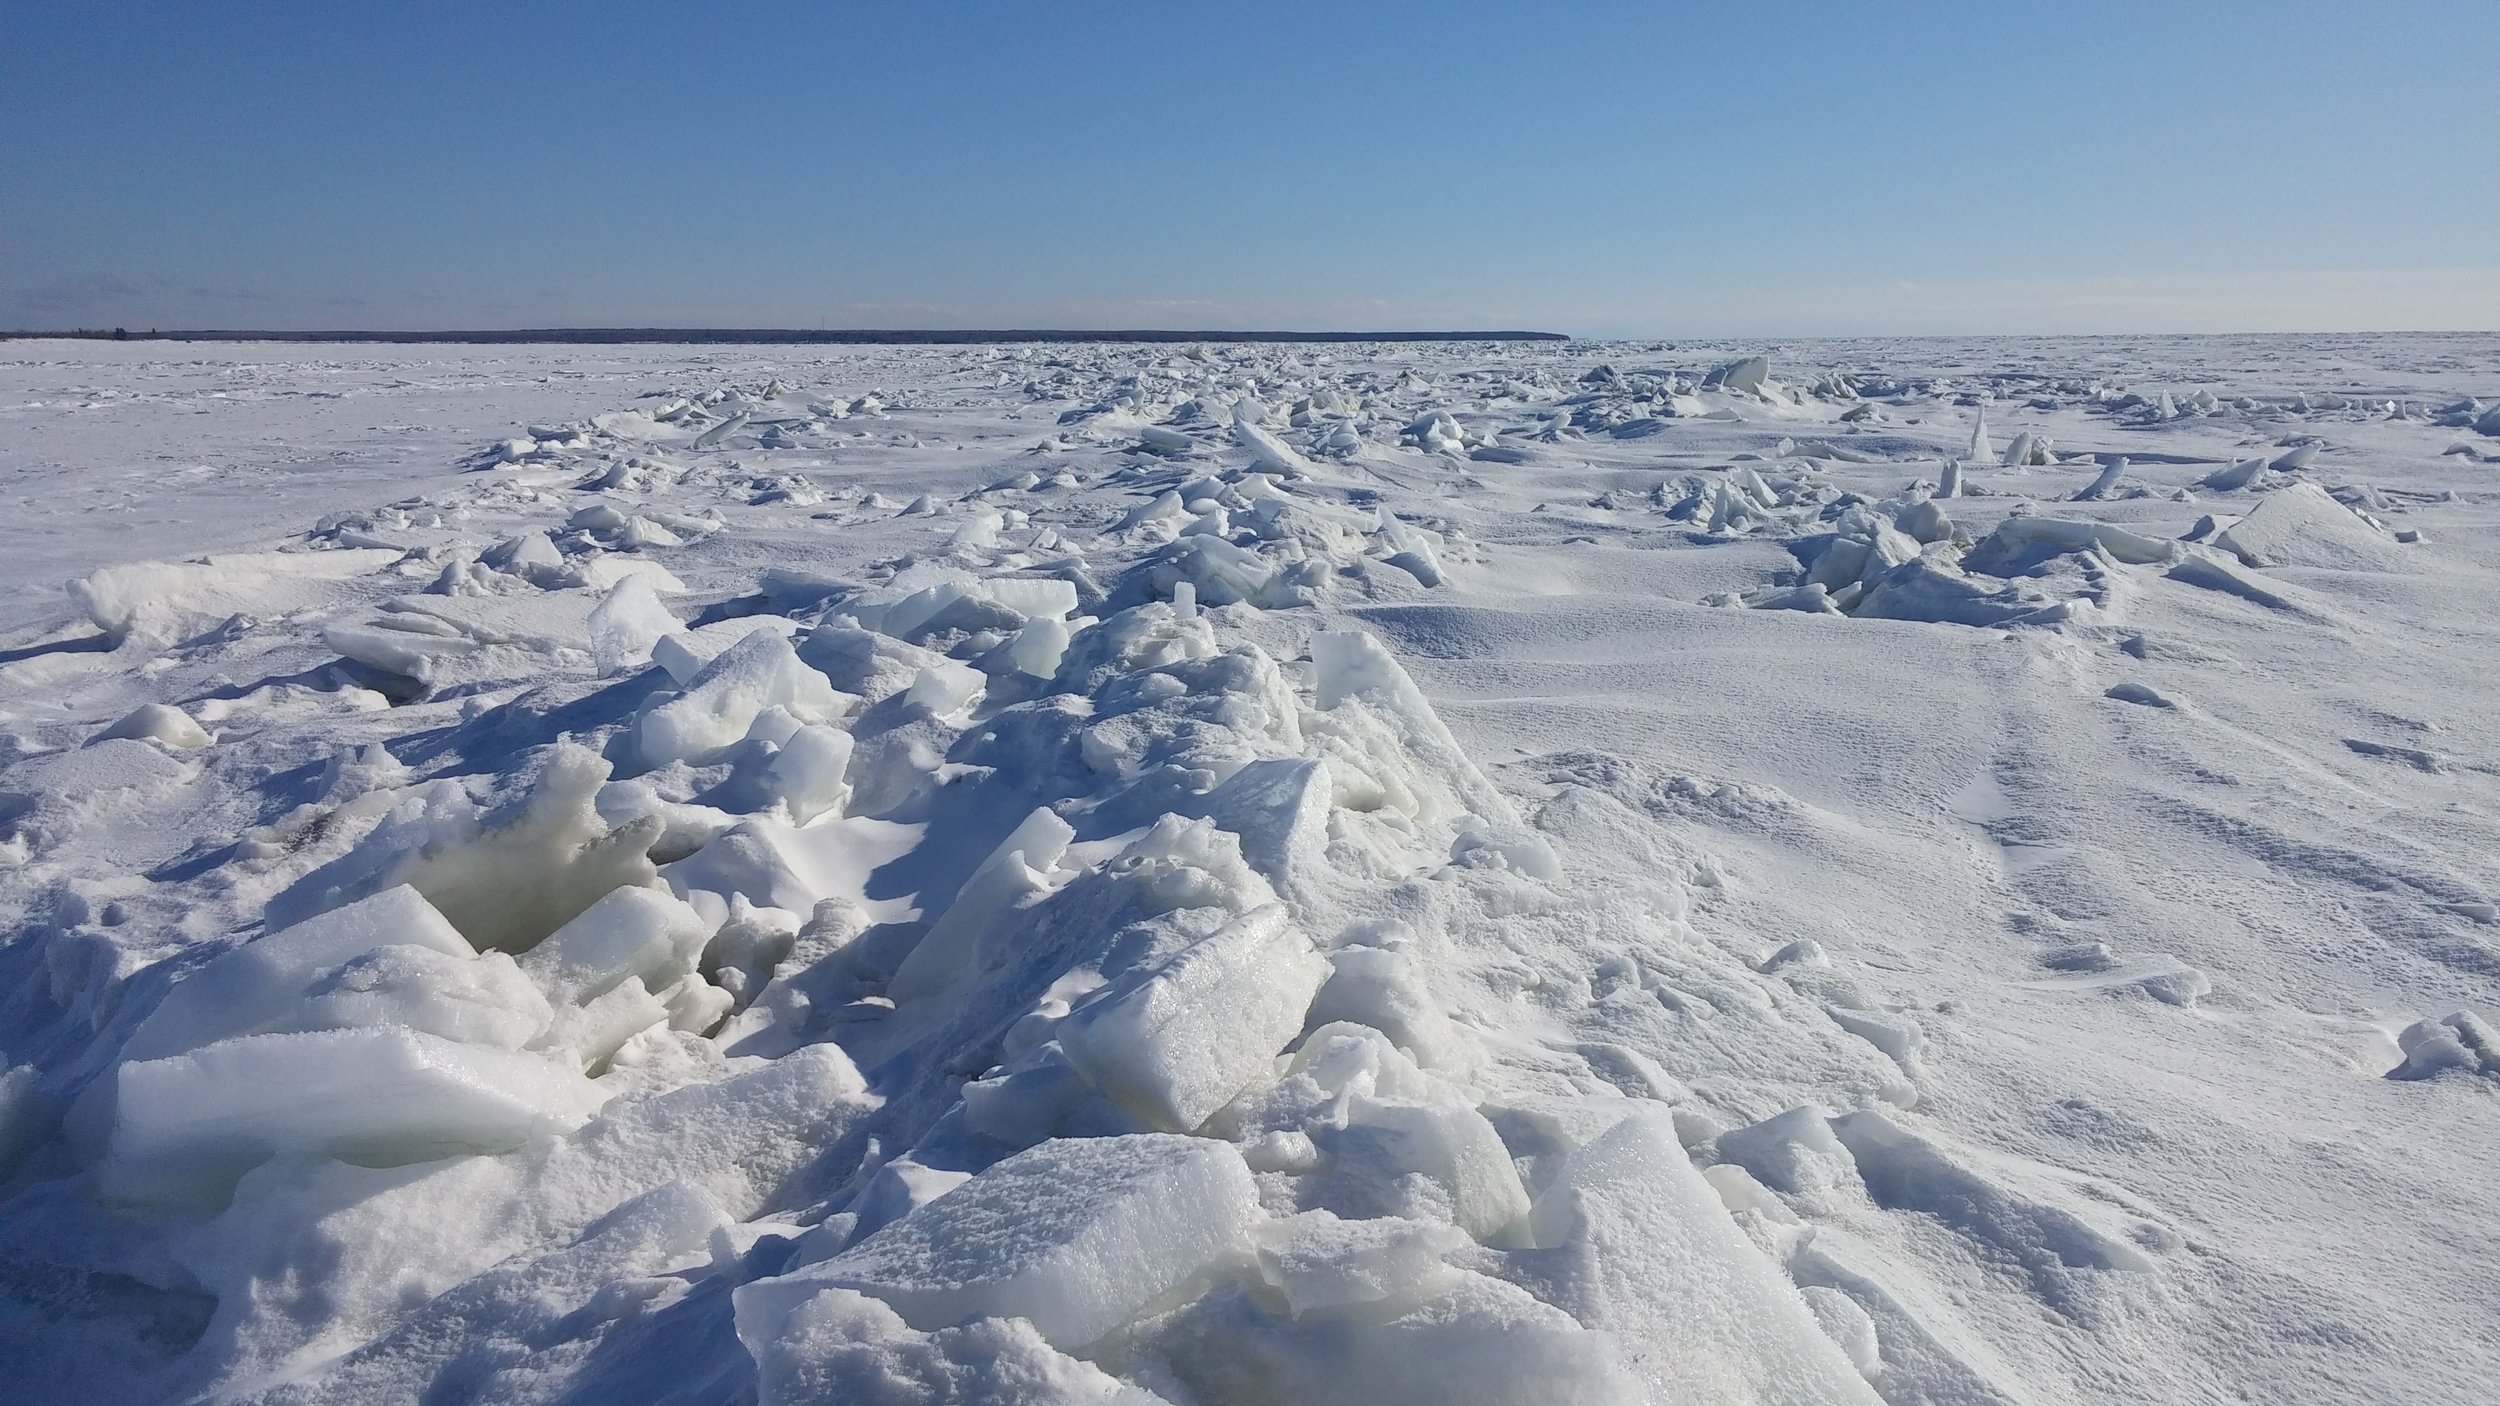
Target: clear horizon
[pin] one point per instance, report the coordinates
(1618, 171)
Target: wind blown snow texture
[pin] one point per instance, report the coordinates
(1911, 872)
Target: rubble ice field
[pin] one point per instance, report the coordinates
(1919, 871)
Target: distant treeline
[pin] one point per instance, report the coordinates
(595, 336)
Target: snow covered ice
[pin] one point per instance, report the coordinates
(1923, 871)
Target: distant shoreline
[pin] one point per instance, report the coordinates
(612, 336)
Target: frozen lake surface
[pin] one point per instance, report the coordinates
(1920, 871)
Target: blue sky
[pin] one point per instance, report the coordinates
(1602, 169)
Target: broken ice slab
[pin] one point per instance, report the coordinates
(186, 1127)
(1176, 1043)
(1076, 1236)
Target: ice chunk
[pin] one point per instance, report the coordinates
(1351, 663)
(1016, 870)
(2233, 477)
(1033, 597)
(504, 881)
(842, 1346)
(810, 771)
(2303, 525)
(721, 703)
(773, 864)
(1218, 572)
(1811, 598)
(1701, 1315)
(2459, 1040)
(864, 662)
(553, 1299)
(1037, 648)
(2107, 481)
(1509, 846)
(776, 725)
(1279, 810)
(1746, 376)
(1339, 1056)
(2216, 574)
(626, 623)
(1163, 507)
(160, 601)
(436, 638)
(1931, 589)
(1864, 546)
(899, 1188)
(1385, 1143)
(1145, 637)
(632, 932)
(944, 687)
(1980, 450)
(1924, 523)
(925, 599)
(1163, 439)
(531, 554)
(321, 1247)
(641, 531)
(1732, 509)
(1270, 454)
(158, 722)
(1077, 1236)
(605, 573)
(1026, 1103)
(1380, 988)
(1176, 1042)
(411, 646)
(1478, 1342)
(596, 519)
(2019, 543)
(258, 985)
(1355, 672)
(1436, 432)
(1318, 1261)
(2029, 450)
(185, 1127)
(683, 653)
(972, 607)
(979, 532)
(1411, 549)
(26, 1117)
(481, 1000)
